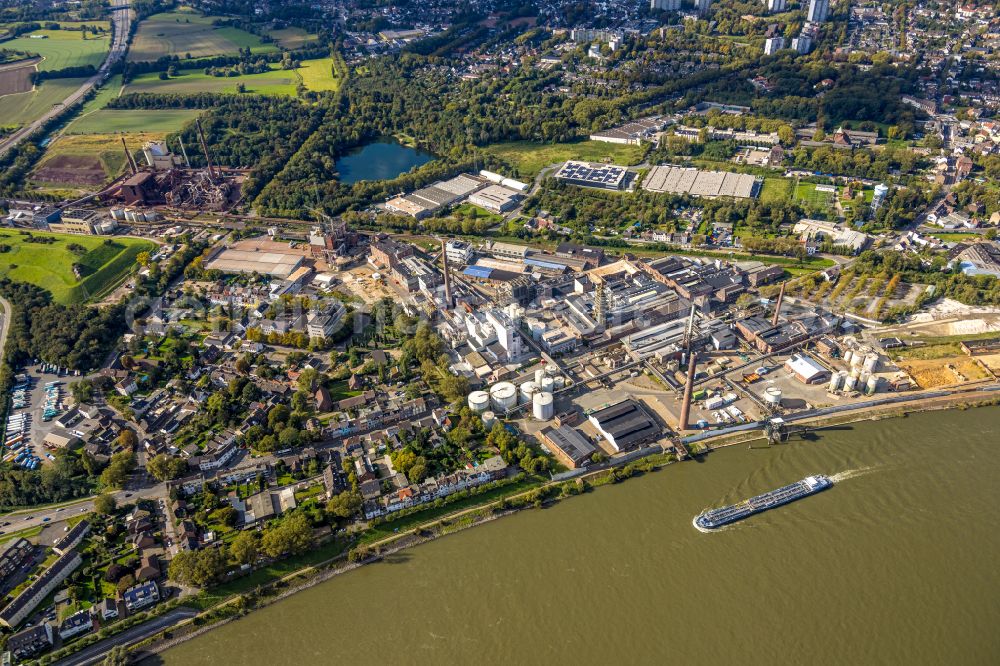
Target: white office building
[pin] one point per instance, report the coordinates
(665, 5)
(776, 6)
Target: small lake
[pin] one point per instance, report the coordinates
(380, 160)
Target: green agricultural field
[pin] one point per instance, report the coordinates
(103, 262)
(293, 38)
(63, 48)
(530, 157)
(186, 33)
(274, 82)
(317, 75)
(108, 121)
(776, 189)
(16, 110)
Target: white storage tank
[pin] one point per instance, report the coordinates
(835, 381)
(547, 384)
(558, 382)
(479, 401)
(870, 363)
(848, 355)
(118, 214)
(539, 376)
(489, 418)
(504, 396)
(871, 386)
(542, 406)
(772, 395)
(528, 389)
(551, 370)
(151, 216)
(537, 328)
(850, 382)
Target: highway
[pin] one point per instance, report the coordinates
(122, 21)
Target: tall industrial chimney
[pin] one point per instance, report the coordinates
(128, 156)
(689, 330)
(688, 390)
(204, 148)
(777, 306)
(184, 152)
(448, 303)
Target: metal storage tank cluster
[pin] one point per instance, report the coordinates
(543, 407)
(479, 401)
(503, 396)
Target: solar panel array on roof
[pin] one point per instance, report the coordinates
(608, 176)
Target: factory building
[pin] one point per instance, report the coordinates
(585, 174)
(625, 425)
(708, 184)
(568, 445)
(459, 252)
(496, 199)
(806, 370)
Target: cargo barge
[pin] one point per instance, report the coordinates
(716, 518)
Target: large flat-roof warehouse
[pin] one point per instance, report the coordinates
(585, 174)
(625, 425)
(275, 264)
(681, 180)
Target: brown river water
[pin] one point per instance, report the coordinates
(898, 563)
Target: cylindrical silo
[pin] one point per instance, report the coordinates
(835, 381)
(850, 382)
(872, 385)
(539, 375)
(558, 382)
(542, 406)
(863, 379)
(772, 395)
(504, 396)
(848, 355)
(551, 370)
(479, 401)
(870, 363)
(547, 384)
(489, 418)
(528, 389)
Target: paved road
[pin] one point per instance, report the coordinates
(122, 20)
(96, 652)
(4, 323)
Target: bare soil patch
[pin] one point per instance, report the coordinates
(71, 170)
(16, 78)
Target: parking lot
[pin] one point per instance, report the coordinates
(42, 408)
